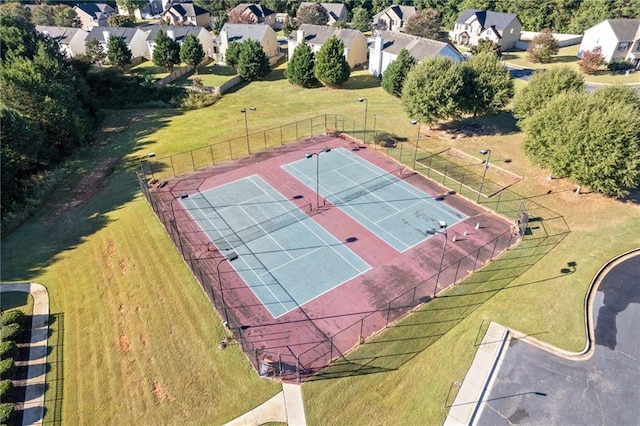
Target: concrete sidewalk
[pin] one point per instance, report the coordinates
(286, 407)
(33, 411)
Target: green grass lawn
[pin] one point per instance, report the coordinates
(150, 69)
(567, 56)
(212, 75)
(135, 340)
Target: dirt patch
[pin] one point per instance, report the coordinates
(124, 266)
(160, 394)
(111, 248)
(124, 344)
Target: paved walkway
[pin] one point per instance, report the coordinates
(285, 407)
(33, 411)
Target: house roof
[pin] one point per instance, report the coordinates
(188, 10)
(418, 47)
(402, 12)
(319, 34)
(241, 32)
(257, 9)
(179, 32)
(487, 18)
(62, 35)
(333, 9)
(96, 10)
(124, 33)
(625, 29)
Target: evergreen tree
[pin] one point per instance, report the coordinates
(395, 74)
(191, 52)
(360, 20)
(95, 52)
(232, 54)
(300, 67)
(167, 51)
(332, 69)
(118, 53)
(488, 86)
(486, 45)
(252, 61)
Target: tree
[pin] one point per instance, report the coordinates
(590, 139)
(488, 86)
(542, 47)
(65, 16)
(167, 51)
(130, 6)
(120, 21)
(332, 69)
(118, 52)
(300, 67)
(289, 26)
(425, 23)
(396, 73)
(486, 45)
(219, 22)
(95, 52)
(360, 20)
(16, 9)
(42, 15)
(431, 90)
(589, 13)
(543, 87)
(313, 14)
(191, 51)
(239, 17)
(232, 54)
(592, 60)
(252, 61)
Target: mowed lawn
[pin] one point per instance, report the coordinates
(135, 340)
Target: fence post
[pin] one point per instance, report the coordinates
(476, 261)
(494, 247)
(264, 136)
(296, 130)
(388, 313)
(193, 163)
(298, 368)
(212, 160)
(361, 330)
(172, 168)
(311, 126)
(331, 348)
(455, 278)
(280, 135)
(230, 151)
(413, 298)
(325, 121)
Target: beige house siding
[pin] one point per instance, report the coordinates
(268, 39)
(355, 50)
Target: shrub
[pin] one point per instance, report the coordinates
(6, 413)
(195, 100)
(8, 349)
(619, 65)
(11, 317)
(385, 139)
(10, 331)
(7, 368)
(6, 390)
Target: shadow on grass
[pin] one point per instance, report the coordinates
(499, 124)
(401, 342)
(98, 179)
(361, 82)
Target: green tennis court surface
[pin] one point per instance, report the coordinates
(285, 257)
(392, 209)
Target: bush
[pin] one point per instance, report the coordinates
(6, 413)
(8, 349)
(6, 390)
(11, 317)
(387, 140)
(7, 368)
(10, 331)
(195, 100)
(618, 65)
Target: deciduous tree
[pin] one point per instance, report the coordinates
(252, 61)
(300, 67)
(120, 21)
(15, 9)
(130, 6)
(167, 51)
(542, 47)
(425, 23)
(118, 52)
(396, 73)
(313, 14)
(592, 60)
(486, 45)
(95, 52)
(332, 69)
(191, 51)
(488, 86)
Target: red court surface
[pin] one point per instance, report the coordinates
(306, 339)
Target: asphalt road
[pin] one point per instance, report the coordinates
(533, 386)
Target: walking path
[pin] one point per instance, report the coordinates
(285, 407)
(33, 411)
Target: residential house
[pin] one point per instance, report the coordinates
(187, 14)
(94, 14)
(387, 46)
(618, 38)
(134, 38)
(474, 24)
(70, 40)
(147, 10)
(178, 33)
(393, 18)
(264, 34)
(336, 11)
(355, 43)
(255, 14)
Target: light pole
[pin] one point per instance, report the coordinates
(486, 152)
(443, 231)
(415, 153)
(246, 126)
(366, 108)
(317, 155)
(230, 257)
(142, 161)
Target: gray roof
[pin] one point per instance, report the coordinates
(179, 32)
(319, 34)
(188, 9)
(487, 18)
(62, 35)
(403, 12)
(241, 32)
(625, 29)
(418, 47)
(333, 9)
(124, 33)
(257, 9)
(96, 9)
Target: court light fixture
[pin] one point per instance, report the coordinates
(246, 126)
(230, 257)
(366, 108)
(486, 152)
(443, 231)
(317, 155)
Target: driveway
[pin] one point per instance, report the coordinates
(533, 386)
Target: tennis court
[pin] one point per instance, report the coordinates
(392, 209)
(284, 256)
